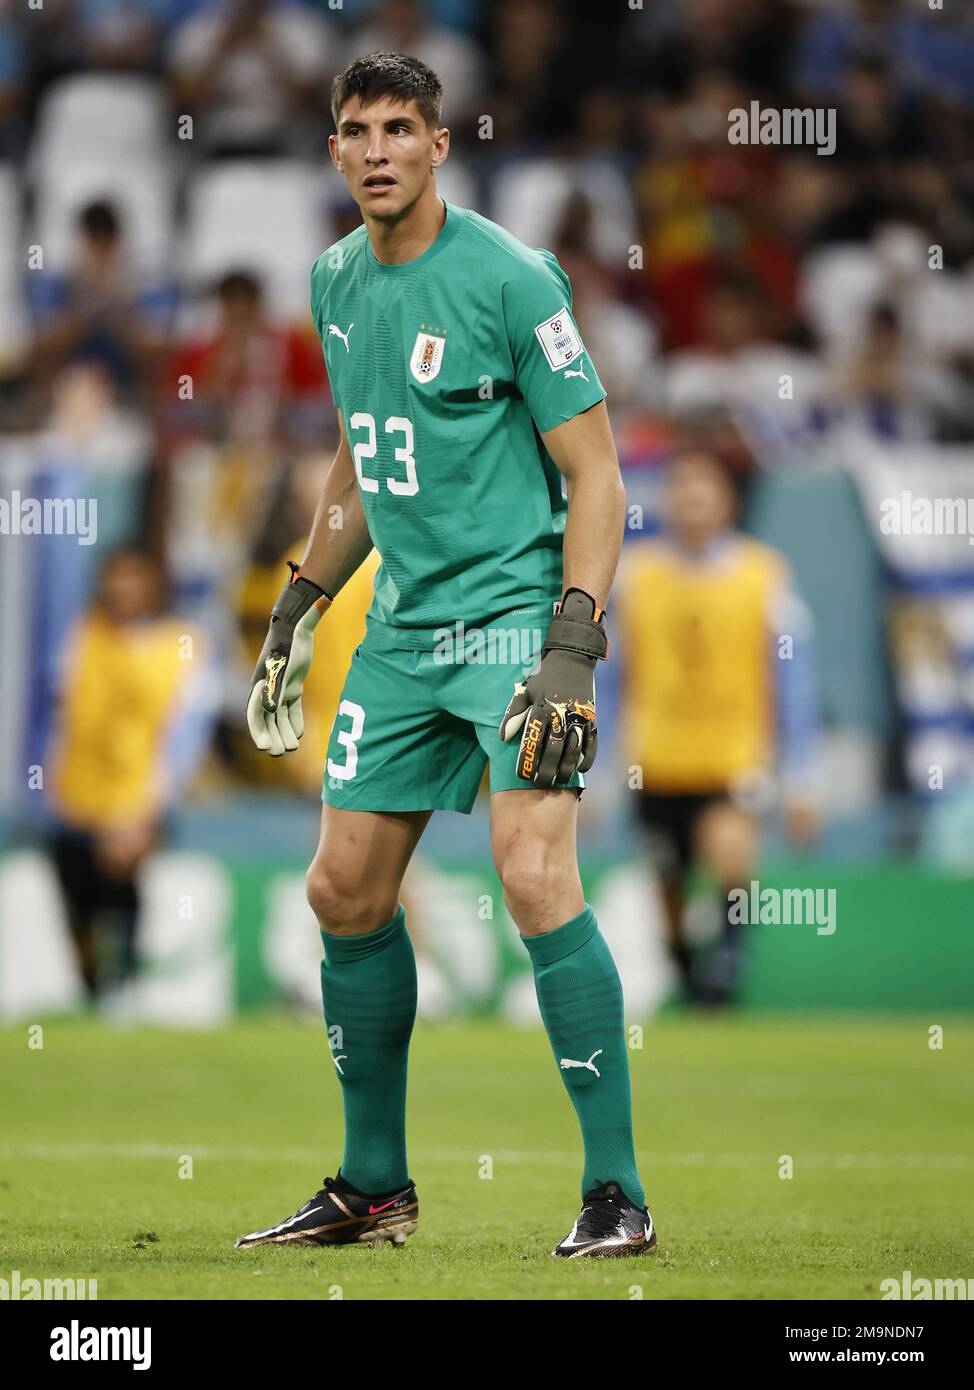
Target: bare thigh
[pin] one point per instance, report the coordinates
(356, 874)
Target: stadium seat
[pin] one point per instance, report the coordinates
(267, 217)
(839, 284)
(101, 117)
(529, 198)
(142, 192)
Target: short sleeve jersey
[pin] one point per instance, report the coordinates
(446, 370)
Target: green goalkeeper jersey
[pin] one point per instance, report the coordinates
(446, 370)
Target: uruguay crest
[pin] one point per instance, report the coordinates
(427, 355)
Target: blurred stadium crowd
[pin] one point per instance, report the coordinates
(806, 321)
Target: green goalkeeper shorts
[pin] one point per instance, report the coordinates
(415, 729)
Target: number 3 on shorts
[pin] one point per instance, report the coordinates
(348, 738)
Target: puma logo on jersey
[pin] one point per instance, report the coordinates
(335, 332)
(580, 372)
(567, 1062)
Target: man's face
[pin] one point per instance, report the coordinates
(241, 311)
(130, 589)
(386, 152)
(699, 499)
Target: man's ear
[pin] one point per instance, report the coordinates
(333, 151)
(441, 147)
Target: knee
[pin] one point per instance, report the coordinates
(726, 843)
(325, 893)
(531, 876)
(342, 903)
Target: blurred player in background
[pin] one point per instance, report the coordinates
(465, 396)
(135, 719)
(718, 702)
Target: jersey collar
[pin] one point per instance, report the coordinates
(454, 220)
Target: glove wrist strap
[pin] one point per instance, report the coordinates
(300, 601)
(575, 629)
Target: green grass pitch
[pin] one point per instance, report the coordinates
(96, 1125)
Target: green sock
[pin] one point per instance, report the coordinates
(581, 1003)
(368, 988)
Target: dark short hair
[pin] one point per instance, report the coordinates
(143, 555)
(378, 75)
(237, 284)
(100, 220)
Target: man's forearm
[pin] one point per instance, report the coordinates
(584, 451)
(593, 534)
(339, 539)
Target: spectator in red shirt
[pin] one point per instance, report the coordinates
(243, 382)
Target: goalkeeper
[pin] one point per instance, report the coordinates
(465, 396)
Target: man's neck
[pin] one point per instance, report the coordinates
(701, 546)
(395, 243)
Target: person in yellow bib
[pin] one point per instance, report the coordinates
(135, 717)
(718, 704)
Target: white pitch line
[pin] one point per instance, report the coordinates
(154, 1150)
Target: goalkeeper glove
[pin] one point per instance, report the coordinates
(554, 705)
(274, 714)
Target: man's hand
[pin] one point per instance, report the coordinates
(274, 714)
(554, 705)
